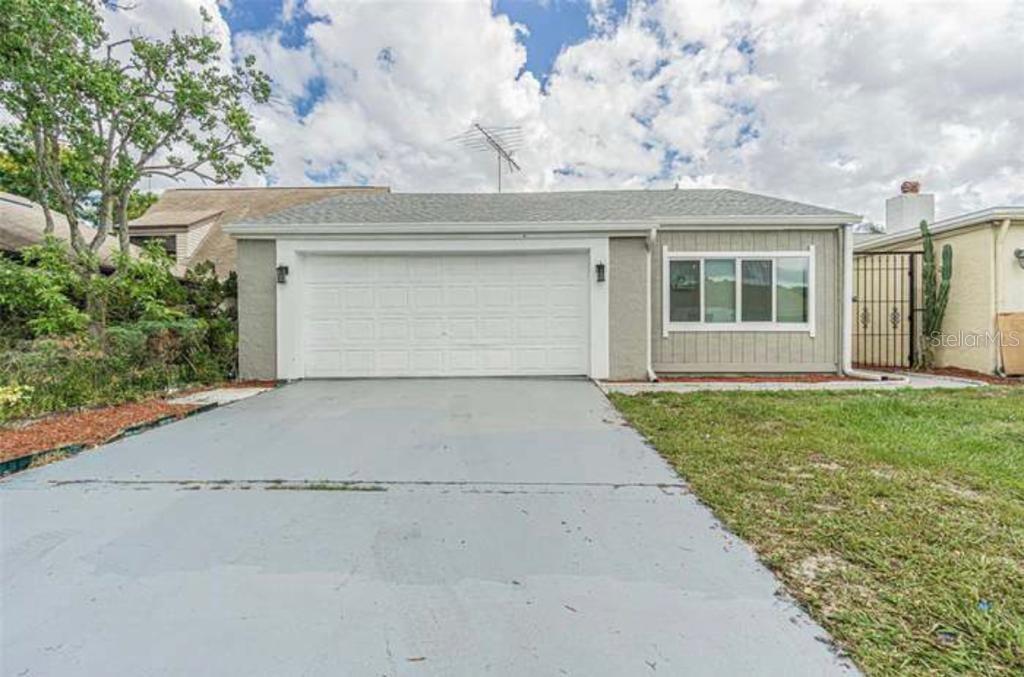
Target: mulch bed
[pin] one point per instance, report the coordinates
(957, 372)
(977, 376)
(781, 378)
(86, 428)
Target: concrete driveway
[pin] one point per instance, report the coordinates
(429, 527)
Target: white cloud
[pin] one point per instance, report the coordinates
(827, 101)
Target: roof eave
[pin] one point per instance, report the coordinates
(242, 228)
(977, 218)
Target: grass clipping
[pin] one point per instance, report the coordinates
(897, 518)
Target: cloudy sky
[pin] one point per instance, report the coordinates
(816, 100)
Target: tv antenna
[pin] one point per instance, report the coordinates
(502, 141)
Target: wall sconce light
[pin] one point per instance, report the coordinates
(282, 274)
(1019, 253)
(599, 268)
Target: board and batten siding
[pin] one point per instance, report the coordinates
(741, 351)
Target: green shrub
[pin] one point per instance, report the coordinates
(160, 332)
(134, 360)
(40, 296)
(143, 288)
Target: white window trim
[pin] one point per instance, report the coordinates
(668, 326)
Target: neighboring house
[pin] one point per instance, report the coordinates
(22, 223)
(189, 222)
(608, 284)
(987, 287)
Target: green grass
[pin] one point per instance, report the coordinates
(897, 518)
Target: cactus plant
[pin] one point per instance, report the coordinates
(936, 296)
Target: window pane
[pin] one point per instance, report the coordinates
(791, 294)
(757, 291)
(684, 291)
(720, 290)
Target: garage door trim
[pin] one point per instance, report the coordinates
(294, 252)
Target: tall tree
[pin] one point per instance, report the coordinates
(19, 176)
(101, 115)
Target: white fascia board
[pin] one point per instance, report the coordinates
(242, 229)
(979, 218)
(304, 229)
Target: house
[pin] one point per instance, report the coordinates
(23, 223)
(189, 222)
(620, 284)
(986, 299)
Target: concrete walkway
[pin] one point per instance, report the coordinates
(450, 527)
(902, 380)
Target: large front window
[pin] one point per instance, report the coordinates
(770, 291)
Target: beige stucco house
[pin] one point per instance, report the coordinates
(608, 284)
(987, 287)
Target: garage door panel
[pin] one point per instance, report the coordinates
(427, 298)
(460, 329)
(499, 328)
(353, 298)
(393, 329)
(437, 315)
(460, 296)
(426, 328)
(497, 297)
(392, 297)
(323, 333)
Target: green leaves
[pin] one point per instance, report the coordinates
(37, 299)
(96, 117)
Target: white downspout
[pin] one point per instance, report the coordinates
(847, 331)
(650, 242)
(997, 246)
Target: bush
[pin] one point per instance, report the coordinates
(156, 331)
(38, 297)
(135, 360)
(143, 288)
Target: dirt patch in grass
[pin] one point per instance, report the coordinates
(88, 427)
(896, 518)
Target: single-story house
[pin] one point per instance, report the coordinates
(189, 222)
(986, 298)
(621, 284)
(23, 223)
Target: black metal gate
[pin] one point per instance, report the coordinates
(886, 308)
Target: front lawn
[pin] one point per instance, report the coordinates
(897, 517)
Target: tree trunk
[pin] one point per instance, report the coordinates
(41, 194)
(96, 308)
(121, 224)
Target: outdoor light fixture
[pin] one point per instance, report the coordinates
(600, 272)
(1019, 253)
(282, 274)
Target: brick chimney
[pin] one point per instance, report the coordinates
(909, 208)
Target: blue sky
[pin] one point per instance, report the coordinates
(833, 101)
(551, 25)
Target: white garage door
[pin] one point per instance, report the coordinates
(445, 315)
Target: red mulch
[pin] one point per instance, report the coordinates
(89, 427)
(956, 372)
(780, 378)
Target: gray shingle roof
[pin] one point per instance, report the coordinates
(596, 206)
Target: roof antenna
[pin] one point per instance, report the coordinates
(502, 141)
